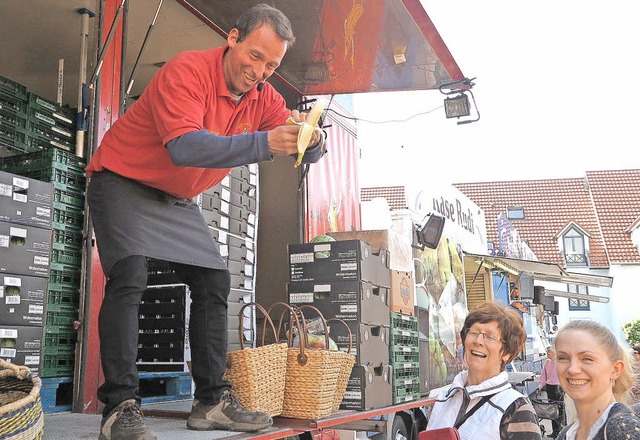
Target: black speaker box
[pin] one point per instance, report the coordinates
(556, 308)
(548, 303)
(538, 295)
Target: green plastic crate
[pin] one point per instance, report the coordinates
(14, 88)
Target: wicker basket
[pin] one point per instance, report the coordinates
(345, 369)
(257, 375)
(21, 419)
(312, 376)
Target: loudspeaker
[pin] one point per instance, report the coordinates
(526, 287)
(556, 308)
(548, 303)
(538, 294)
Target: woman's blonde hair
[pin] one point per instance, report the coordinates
(616, 352)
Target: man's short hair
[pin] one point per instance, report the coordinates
(262, 14)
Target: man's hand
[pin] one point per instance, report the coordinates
(283, 140)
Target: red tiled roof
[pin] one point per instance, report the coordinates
(616, 197)
(395, 195)
(604, 204)
(549, 206)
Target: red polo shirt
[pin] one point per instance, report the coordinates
(187, 94)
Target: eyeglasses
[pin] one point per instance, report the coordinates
(488, 337)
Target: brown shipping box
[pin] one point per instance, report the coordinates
(402, 293)
(399, 246)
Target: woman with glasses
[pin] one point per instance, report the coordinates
(480, 402)
(596, 371)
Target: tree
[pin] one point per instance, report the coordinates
(632, 331)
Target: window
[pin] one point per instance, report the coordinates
(578, 304)
(515, 212)
(574, 253)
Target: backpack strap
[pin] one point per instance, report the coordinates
(469, 413)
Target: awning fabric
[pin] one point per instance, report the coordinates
(347, 46)
(540, 270)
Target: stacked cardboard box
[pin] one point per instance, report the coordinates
(230, 210)
(26, 207)
(347, 280)
(65, 172)
(403, 341)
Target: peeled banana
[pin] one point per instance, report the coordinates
(307, 129)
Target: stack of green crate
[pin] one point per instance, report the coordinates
(13, 118)
(49, 125)
(29, 122)
(66, 171)
(405, 357)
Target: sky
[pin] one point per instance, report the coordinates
(555, 88)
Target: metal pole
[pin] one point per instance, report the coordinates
(144, 44)
(103, 52)
(81, 116)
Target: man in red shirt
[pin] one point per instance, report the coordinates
(202, 114)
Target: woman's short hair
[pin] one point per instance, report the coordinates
(260, 14)
(609, 343)
(509, 323)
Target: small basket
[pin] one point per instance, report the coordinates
(21, 419)
(257, 375)
(312, 376)
(345, 369)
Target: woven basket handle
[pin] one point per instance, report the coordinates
(324, 323)
(302, 358)
(348, 329)
(267, 318)
(21, 372)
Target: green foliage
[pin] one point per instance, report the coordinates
(632, 331)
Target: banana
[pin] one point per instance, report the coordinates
(307, 128)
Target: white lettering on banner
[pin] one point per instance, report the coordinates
(454, 212)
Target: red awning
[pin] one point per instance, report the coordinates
(352, 46)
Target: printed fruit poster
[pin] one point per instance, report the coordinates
(440, 279)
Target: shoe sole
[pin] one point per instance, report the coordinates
(151, 436)
(208, 425)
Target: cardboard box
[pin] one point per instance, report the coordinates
(369, 387)
(213, 203)
(25, 201)
(402, 293)
(338, 261)
(22, 300)
(351, 301)
(369, 343)
(21, 345)
(399, 246)
(24, 250)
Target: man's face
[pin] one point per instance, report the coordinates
(253, 59)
